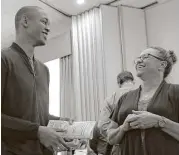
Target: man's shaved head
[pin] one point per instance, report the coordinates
(27, 11)
(32, 24)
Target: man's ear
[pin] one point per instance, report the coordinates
(24, 21)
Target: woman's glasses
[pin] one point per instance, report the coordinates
(146, 56)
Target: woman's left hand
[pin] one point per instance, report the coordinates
(143, 120)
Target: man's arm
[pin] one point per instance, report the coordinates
(17, 128)
(105, 113)
(13, 127)
(107, 109)
(115, 131)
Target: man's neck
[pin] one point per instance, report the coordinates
(28, 48)
(127, 84)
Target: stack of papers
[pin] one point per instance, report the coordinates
(78, 130)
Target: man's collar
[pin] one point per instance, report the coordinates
(19, 49)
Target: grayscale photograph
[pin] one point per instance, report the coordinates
(89, 77)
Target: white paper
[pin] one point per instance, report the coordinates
(78, 130)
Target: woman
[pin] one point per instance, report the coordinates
(146, 121)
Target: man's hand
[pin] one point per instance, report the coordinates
(68, 139)
(75, 144)
(51, 139)
(67, 119)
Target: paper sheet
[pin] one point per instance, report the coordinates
(78, 130)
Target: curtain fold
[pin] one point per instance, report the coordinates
(66, 89)
(89, 83)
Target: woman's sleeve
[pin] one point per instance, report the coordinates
(174, 97)
(176, 92)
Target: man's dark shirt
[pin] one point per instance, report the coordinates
(24, 101)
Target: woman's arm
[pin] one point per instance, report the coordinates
(170, 127)
(145, 120)
(114, 135)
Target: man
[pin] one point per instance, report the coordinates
(25, 90)
(99, 145)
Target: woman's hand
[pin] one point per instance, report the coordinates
(126, 125)
(115, 133)
(143, 120)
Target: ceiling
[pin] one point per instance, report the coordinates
(71, 7)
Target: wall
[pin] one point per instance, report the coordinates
(124, 37)
(56, 47)
(163, 30)
(133, 36)
(112, 47)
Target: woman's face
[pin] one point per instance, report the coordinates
(149, 63)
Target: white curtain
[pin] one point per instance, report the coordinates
(66, 89)
(88, 65)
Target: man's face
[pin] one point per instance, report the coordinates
(38, 27)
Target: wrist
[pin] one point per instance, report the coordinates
(161, 123)
(123, 128)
